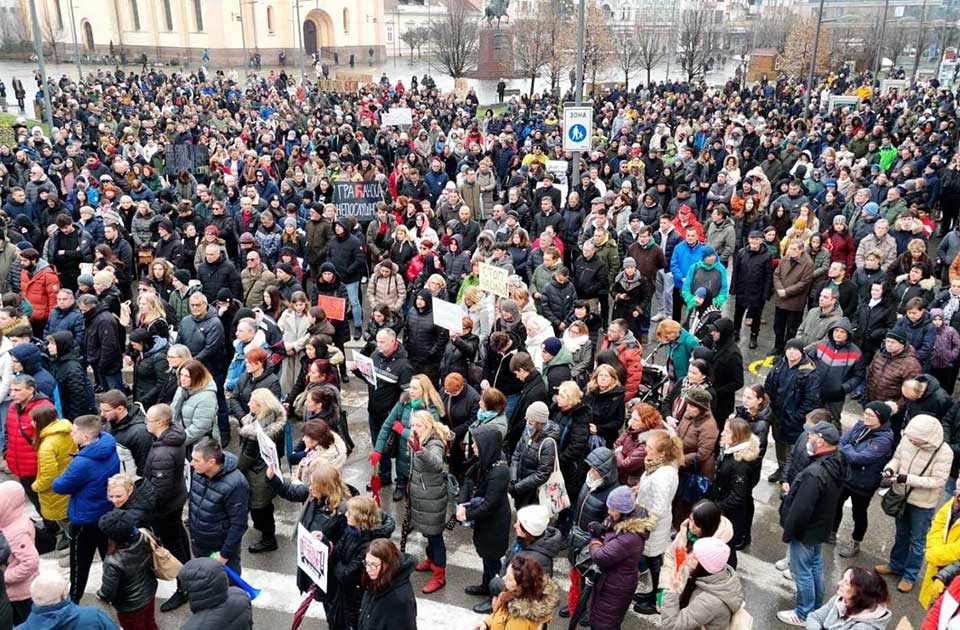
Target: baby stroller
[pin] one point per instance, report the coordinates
(653, 380)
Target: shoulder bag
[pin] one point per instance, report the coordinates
(895, 504)
(693, 485)
(165, 566)
(552, 494)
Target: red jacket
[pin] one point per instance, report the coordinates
(950, 597)
(841, 248)
(40, 289)
(21, 457)
(631, 355)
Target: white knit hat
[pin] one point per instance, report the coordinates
(534, 519)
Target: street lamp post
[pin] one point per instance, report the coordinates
(578, 83)
(883, 28)
(38, 47)
(76, 44)
(303, 71)
(920, 41)
(813, 64)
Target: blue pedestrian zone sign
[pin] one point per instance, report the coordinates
(577, 127)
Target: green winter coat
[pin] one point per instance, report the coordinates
(402, 411)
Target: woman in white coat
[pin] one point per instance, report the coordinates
(655, 493)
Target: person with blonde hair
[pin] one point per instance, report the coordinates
(605, 399)
(176, 356)
(428, 493)
(422, 396)
(572, 418)
(151, 316)
(366, 523)
(268, 415)
(655, 492)
(680, 344)
(195, 402)
(295, 323)
(135, 496)
(324, 514)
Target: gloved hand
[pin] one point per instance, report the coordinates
(901, 478)
(397, 426)
(374, 458)
(597, 530)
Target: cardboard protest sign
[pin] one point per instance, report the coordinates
(493, 279)
(268, 449)
(334, 307)
(312, 557)
(447, 315)
(366, 367)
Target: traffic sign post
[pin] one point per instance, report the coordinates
(577, 127)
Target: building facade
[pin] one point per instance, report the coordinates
(230, 30)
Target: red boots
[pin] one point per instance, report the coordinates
(424, 565)
(437, 581)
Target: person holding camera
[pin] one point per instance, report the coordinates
(616, 548)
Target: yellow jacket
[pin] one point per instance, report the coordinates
(943, 548)
(53, 455)
(524, 614)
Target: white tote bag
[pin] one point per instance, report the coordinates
(553, 493)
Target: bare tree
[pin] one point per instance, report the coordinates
(652, 46)
(799, 54)
(456, 37)
(48, 33)
(627, 54)
(694, 42)
(771, 30)
(533, 45)
(415, 38)
(597, 41)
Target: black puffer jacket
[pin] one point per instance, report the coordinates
(574, 427)
(346, 566)
(807, 511)
(727, 364)
(220, 275)
(105, 339)
(164, 469)
(142, 503)
(239, 403)
(485, 488)
(316, 516)
(218, 509)
(533, 389)
(423, 340)
(590, 277)
(204, 336)
(871, 323)
(393, 376)
(458, 353)
(752, 280)
(393, 608)
(532, 464)
(213, 602)
(132, 432)
(608, 410)
(591, 505)
(76, 392)
(556, 301)
(128, 582)
(346, 253)
(150, 372)
(543, 549)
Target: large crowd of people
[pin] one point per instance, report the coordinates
(158, 311)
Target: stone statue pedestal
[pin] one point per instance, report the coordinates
(495, 58)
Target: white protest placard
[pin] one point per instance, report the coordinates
(399, 116)
(493, 279)
(558, 168)
(366, 367)
(312, 557)
(447, 315)
(268, 449)
(900, 85)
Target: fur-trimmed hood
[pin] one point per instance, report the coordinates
(537, 610)
(746, 451)
(636, 525)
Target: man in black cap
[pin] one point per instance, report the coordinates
(806, 515)
(793, 386)
(286, 281)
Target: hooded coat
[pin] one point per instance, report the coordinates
(346, 567)
(573, 443)
(346, 254)
(794, 392)
(20, 456)
(608, 410)
(54, 453)
(727, 365)
(389, 290)
(75, 389)
(591, 505)
(840, 367)
(428, 487)
(484, 489)
(920, 334)
(423, 339)
(942, 549)
(66, 615)
(630, 353)
(532, 464)
(715, 598)
(39, 286)
(29, 357)
(829, 617)
(524, 613)
(213, 602)
(128, 581)
(164, 469)
(150, 372)
(24, 562)
(618, 558)
(70, 320)
(85, 480)
(926, 489)
(866, 451)
(738, 471)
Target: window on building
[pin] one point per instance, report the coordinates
(270, 20)
(135, 14)
(56, 4)
(168, 14)
(346, 20)
(198, 14)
